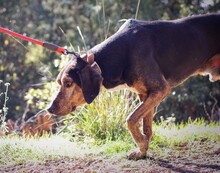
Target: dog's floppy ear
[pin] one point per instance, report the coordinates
(90, 79)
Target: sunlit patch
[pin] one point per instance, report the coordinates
(17, 108)
(6, 42)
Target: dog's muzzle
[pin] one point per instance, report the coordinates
(52, 109)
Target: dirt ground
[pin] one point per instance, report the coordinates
(199, 157)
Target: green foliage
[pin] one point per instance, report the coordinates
(33, 52)
(105, 118)
(3, 107)
(39, 97)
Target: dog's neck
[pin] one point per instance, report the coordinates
(111, 74)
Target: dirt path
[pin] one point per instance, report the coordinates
(110, 165)
(198, 158)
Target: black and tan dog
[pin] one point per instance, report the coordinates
(149, 58)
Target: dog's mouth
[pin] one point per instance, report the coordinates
(62, 112)
(73, 108)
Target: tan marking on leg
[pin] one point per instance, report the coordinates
(139, 88)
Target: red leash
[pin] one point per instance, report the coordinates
(49, 46)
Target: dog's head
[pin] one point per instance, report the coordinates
(80, 81)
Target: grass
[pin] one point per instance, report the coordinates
(17, 150)
(177, 135)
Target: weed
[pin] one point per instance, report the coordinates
(4, 109)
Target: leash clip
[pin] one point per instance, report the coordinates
(67, 52)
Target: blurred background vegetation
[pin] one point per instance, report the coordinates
(31, 69)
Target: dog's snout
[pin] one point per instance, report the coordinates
(51, 109)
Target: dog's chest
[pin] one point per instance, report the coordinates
(123, 86)
(137, 87)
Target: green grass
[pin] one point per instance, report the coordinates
(175, 135)
(18, 150)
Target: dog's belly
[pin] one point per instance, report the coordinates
(138, 87)
(123, 86)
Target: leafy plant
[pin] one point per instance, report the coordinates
(41, 97)
(105, 118)
(4, 109)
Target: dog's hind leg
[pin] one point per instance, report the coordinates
(212, 68)
(145, 112)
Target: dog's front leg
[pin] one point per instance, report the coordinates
(147, 125)
(145, 112)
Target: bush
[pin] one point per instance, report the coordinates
(105, 118)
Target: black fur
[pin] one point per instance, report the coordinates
(176, 48)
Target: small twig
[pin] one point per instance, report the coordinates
(107, 29)
(64, 128)
(25, 113)
(210, 116)
(80, 33)
(66, 37)
(137, 9)
(214, 105)
(38, 84)
(99, 20)
(103, 15)
(19, 42)
(206, 112)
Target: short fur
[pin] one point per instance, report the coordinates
(149, 58)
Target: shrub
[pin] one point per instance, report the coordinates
(104, 119)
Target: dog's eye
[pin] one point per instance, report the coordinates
(68, 84)
(59, 82)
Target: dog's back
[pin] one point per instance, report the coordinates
(180, 47)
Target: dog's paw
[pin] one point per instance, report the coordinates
(136, 155)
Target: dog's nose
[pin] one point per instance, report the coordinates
(51, 109)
